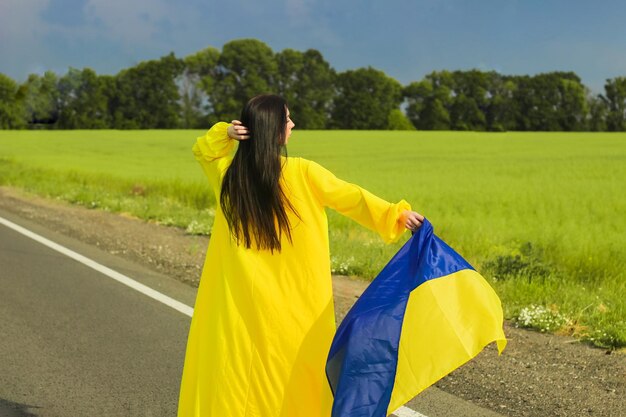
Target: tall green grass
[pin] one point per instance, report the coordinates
(539, 214)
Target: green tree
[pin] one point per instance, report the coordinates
(615, 101)
(196, 83)
(147, 96)
(83, 101)
(524, 102)
(365, 98)
(306, 81)
(428, 101)
(573, 108)
(597, 113)
(551, 102)
(469, 102)
(533, 98)
(398, 121)
(42, 99)
(245, 69)
(465, 114)
(12, 112)
(500, 112)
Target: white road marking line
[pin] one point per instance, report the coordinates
(168, 301)
(407, 412)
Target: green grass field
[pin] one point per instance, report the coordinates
(541, 215)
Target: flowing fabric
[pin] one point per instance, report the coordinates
(263, 323)
(426, 313)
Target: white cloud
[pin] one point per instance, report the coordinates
(21, 31)
(128, 21)
(19, 20)
(310, 20)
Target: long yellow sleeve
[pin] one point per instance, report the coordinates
(215, 151)
(357, 203)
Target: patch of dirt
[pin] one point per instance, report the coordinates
(537, 375)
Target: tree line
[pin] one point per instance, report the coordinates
(211, 85)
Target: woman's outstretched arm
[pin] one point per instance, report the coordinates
(388, 219)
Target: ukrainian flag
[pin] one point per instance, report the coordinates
(427, 313)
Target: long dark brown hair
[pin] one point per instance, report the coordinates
(252, 198)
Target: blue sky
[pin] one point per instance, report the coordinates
(406, 39)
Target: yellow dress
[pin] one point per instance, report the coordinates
(263, 323)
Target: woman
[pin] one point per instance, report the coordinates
(264, 318)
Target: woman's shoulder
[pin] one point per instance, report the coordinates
(296, 165)
(301, 162)
(296, 161)
(305, 168)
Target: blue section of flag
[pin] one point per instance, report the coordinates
(363, 357)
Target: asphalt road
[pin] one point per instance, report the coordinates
(77, 343)
(74, 342)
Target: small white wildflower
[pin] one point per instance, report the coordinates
(198, 228)
(541, 318)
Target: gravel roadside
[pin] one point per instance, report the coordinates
(537, 375)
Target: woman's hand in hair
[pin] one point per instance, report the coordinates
(412, 220)
(238, 131)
